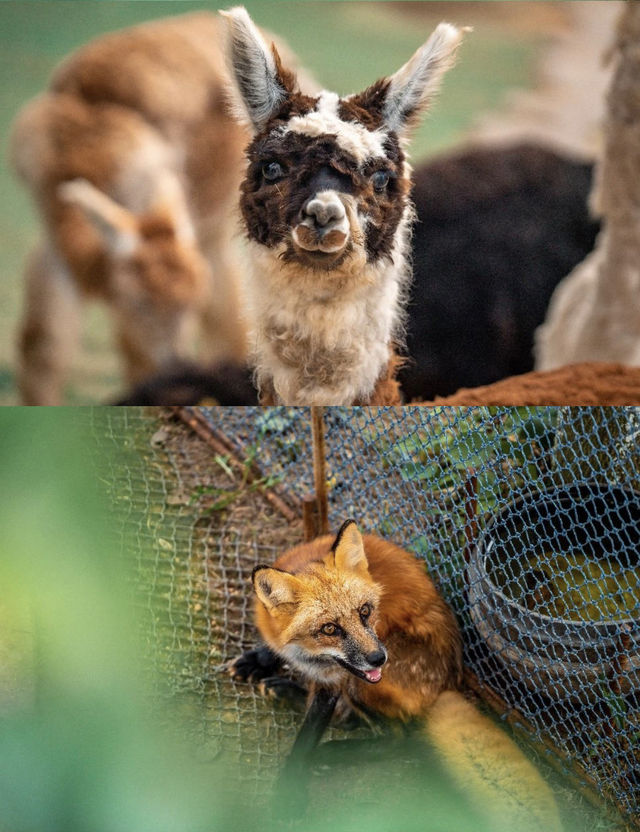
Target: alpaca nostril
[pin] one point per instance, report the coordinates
(324, 212)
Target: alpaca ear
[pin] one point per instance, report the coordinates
(168, 197)
(259, 83)
(348, 550)
(117, 226)
(401, 99)
(413, 87)
(274, 587)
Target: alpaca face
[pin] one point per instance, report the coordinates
(320, 189)
(327, 179)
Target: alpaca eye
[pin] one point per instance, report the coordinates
(329, 629)
(380, 180)
(365, 611)
(272, 171)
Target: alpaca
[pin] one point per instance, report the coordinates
(594, 314)
(326, 209)
(497, 228)
(134, 165)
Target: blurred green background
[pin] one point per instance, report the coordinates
(346, 45)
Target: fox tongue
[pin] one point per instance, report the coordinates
(373, 675)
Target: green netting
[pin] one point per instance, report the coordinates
(528, 520)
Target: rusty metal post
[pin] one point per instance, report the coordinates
(310, 528)
(320, 468)
(470, 513)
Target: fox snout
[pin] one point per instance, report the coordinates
(362, 663)
(377, 658)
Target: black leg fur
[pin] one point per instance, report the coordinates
(284, 689)
(253, 665)
(292, 788)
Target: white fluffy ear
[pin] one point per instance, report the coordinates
(117, 226)
(412, 88)
(168, 196)
(258, 87)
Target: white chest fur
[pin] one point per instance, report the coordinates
(324, 337)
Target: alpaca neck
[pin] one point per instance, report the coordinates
(324, 337)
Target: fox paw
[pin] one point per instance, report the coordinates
(283, 689)
(253, 665)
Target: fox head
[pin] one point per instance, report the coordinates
(322, 620)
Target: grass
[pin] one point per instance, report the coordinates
(345, 44)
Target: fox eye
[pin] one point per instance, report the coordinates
(271, 171)
(329, 629)
(380, 180)
(365, 611)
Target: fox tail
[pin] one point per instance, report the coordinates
(490, 768)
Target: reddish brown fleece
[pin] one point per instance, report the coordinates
(577, 384)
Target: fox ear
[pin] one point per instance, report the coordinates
(274, 587)
(348, 549)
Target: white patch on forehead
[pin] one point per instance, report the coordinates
(351, 136)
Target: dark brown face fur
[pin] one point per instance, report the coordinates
(272, 208)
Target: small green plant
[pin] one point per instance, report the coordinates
(281, 425)
(503, 449)
(224, 497)
(616, 703)
(500, 449)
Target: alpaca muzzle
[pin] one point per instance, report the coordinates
(324, 226)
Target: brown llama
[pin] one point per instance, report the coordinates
(134, 166)
(326, 209)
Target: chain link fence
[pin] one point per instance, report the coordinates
(528, 520)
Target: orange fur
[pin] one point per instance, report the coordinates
(412, 620)
(316, 583)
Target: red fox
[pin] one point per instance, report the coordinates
(359, 620)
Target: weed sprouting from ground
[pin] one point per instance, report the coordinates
(245, 482)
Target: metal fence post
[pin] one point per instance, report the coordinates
(320, 468)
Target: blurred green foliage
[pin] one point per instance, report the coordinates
(77, 748)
